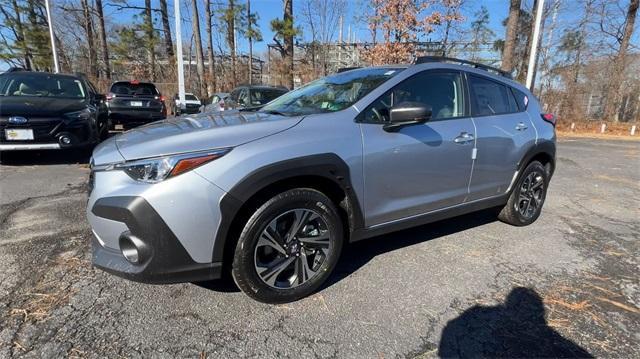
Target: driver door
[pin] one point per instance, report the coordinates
(423, 167)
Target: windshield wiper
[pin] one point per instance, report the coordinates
(275, 112)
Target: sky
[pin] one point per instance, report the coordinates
(271, 9)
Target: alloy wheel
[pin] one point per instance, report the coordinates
(531, 195)
(292, 248)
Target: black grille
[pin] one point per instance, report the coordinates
(41, 129)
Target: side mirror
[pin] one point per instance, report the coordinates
(407, 113)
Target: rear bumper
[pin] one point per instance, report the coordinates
(190, 110)
(161, 257)
(28, 146)
(131, 117)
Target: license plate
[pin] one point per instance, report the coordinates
(136, 103)
(18, 134)
(119, 127)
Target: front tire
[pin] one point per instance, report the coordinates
(527, 197)
(289, 247)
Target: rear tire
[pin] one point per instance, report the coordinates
(289, 247)
(527, 196)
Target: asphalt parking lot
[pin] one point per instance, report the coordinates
(568, 285)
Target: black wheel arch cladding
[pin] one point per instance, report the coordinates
(328, 166)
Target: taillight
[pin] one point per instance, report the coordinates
(549, 118)
(110, 96)
(161, 98)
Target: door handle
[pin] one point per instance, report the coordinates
(521, 126)
(463, 138)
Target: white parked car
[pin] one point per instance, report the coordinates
(191, 104)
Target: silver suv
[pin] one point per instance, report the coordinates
(273, 195)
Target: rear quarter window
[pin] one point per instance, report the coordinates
(127, 88)
(490, 97)
(522, 100)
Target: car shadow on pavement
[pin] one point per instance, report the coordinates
(356, 255)
(515, 329)
(45, 157)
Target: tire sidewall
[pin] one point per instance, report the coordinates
(533, 166)
(244, 272)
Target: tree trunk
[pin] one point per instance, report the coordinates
(199, 53)
(149, 34)
(210, 55)
(612, 104)
(103, 40)
(288, 43)
(231, 39)
(250, 42)
(510, 39)
(166, 29)
(88, 28)
(522, 72)
(20, 38)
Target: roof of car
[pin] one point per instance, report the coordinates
(263, 87)
(41, 73)
(133, 82)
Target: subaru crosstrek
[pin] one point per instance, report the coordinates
(273, 195)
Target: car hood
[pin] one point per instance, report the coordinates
(200, 132)
(39, 106)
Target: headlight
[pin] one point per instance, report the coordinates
(154, 170)
(79, 115)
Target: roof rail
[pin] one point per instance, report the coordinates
(343, 69)
(427, 59)
(15, 69)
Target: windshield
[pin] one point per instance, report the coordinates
(133, 89)
(190, 97)
(331, 93)
(39, 85)
(262, 96)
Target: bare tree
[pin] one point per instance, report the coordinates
(14, 21)
(150, 37)
(229, 18)
(166, 29)
(103, 40)
(88, 28)
(508, 60)
(288, 40)
(321, 18)
(199, 53)
(210, 54)
(612, 105)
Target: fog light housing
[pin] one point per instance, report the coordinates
(134, 250)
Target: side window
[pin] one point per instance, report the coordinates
(244, 97)
(490, 97)
(440, 90)
(234, 95)
(521, 99)
(91, 87)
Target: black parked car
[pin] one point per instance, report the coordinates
(41, 110)
(133, 103)
(252, 96)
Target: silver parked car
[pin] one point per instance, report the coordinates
(214, 103)
(273, 195)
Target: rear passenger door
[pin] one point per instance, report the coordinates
(504, 132)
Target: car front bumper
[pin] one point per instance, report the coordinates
(48, 134)
(169, 227)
